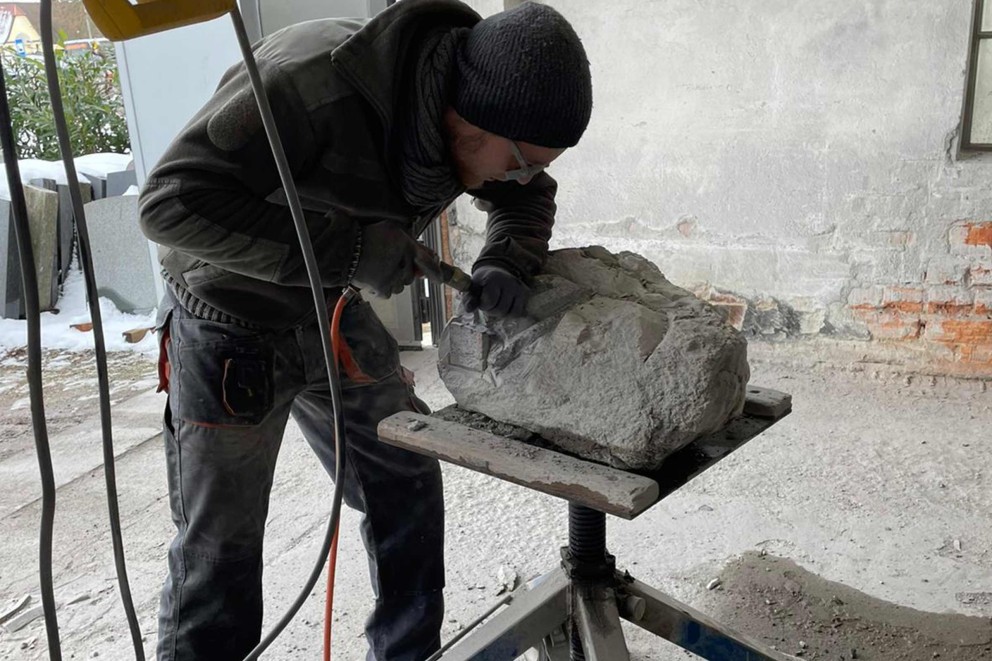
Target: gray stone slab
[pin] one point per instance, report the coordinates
(120, 253)
(612, 363)
(99, 185)
(56, 280)
(119, 182)
(66, 227)
(43, 217)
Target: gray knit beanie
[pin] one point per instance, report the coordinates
(523, 75)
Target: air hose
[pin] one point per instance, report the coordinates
(32, 312)
(320, 306)
(96, 318)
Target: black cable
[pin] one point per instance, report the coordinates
(323, 323)
(93, 296)
(32, 311)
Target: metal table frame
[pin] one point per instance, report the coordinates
(574, 612)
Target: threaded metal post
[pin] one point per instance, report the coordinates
(586, 543)
(586, 534)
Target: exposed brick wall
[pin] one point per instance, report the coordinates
(949, 312)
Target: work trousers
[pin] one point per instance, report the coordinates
(231, 391)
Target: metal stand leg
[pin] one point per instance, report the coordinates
(589, 596)
(597, 620)
(690, 629)
(526, 621)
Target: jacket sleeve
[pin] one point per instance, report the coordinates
(207, 196)
(519, 224)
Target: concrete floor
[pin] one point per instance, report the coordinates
(877, 481)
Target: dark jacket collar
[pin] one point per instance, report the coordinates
(375, 59)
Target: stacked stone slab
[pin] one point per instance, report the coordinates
(43, 208)
(121, 261)
(612, 363)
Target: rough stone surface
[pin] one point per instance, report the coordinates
(612, 363)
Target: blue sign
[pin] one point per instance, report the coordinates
(19, 47)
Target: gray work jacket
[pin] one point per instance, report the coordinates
(214, 201)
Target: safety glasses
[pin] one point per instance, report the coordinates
(526, 170)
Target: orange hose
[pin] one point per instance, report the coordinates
(332, 558)
(329, 601)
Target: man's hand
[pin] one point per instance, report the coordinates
(386, 264)
(498, 292)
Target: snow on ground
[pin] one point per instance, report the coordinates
(57, 331)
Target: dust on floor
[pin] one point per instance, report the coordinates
(800, 613)
(69, 379)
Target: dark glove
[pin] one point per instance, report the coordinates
(386, 263)
(498, 292)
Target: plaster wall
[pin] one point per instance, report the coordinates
(795, 160)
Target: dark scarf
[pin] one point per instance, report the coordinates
(427, 173)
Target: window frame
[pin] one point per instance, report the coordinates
(977, 37)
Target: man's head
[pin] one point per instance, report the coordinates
(522, 95)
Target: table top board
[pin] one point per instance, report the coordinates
(518, 456)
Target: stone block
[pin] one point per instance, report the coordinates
(97, 183)
(43, 217)
(121, 259)
(66, 226)
(42, 208)
(67, 223)
(119, 182)
(613, 362)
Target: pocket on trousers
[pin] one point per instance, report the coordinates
(226, 381)
(373, 348)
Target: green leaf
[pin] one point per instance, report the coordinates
(91, 94)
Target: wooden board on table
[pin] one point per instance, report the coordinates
(517, 455)
(586, 483)
(767, 403)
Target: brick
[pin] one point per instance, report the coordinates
(945, 271)
(980, 354)
(983, 303)
(980, 275)
(892, 325)
(903, 299)
(970, 238)
(979, 234)
(971, 332)
(864, 298)
(949, 300)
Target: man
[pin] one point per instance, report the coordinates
(384, 123)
